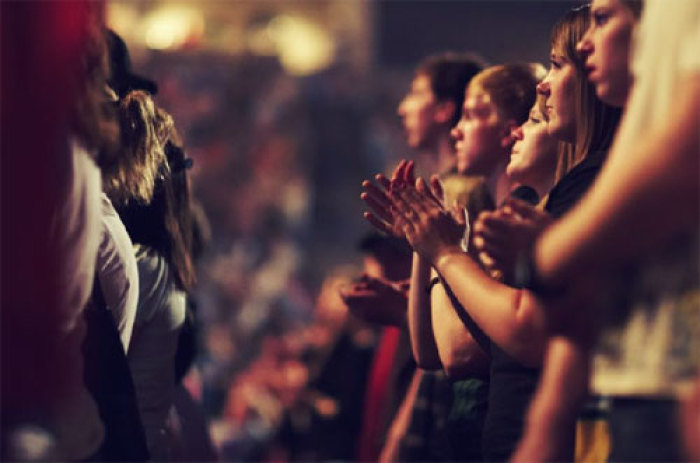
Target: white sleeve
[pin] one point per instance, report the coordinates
(118, 272)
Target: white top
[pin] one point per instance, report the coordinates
(74, 421)
(159, 319)
(117, 271)
(656, 350)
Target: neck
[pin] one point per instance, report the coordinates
(498, 183)
(542, 183)
(445, 150)
(438, 157)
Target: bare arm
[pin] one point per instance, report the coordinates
(656, 172)
(511, 317)
(420, 325)
(551, 420)
(460, 354)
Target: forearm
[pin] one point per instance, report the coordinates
(420, 326)
(511, 317)
(551, 419)
(646, 192)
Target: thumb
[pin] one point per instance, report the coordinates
(436, 188)
(523, 209)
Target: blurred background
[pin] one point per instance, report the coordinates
(285, 107)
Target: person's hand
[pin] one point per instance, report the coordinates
(377, 301)
(429, 228)
(501, 236)
(381, 215)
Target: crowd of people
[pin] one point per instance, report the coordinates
(530, 293)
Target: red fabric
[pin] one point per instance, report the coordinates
(41, 48)
(375, 399)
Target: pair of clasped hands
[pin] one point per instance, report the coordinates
(411, 209)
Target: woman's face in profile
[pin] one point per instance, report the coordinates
(605, 48)
(534, 151)
(558, 89)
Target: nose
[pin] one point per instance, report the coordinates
(400, 109)
(584, 47)
(456, 133)
(543, 87)
(517, 133)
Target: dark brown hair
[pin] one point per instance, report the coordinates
(449, 73)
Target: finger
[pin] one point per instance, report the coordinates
(396, 174)
(436, 188)
(491, 266)
(523, 209)
(483, 244)
(383, 210)
(423, 188)
(378, 223)
(418, 202)
(491, 239)
(409, 172)
(486, 260)
(383, 181)
(401, 221)
(420, 185)
(495, 224)
(400, 204)
(379, 193)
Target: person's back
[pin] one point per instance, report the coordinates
(159, 318)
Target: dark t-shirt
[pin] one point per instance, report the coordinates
(574, 184)
(512, 384)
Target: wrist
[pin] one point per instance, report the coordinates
(443, 258)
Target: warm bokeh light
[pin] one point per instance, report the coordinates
(303, 47)
(172, 27)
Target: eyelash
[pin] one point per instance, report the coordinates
(600, 18)
(554, 64)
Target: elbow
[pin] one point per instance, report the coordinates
(528, 336)
(465, 364)
(455, 370)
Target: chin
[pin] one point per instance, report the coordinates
(462, 168)
(514, 173)
(608, 96)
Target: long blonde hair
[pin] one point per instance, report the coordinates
(144, 132)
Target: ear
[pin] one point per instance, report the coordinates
(506, 137)
(445, 111)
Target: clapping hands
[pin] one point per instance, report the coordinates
(413, 210)
(377, 300)
(501, 236)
